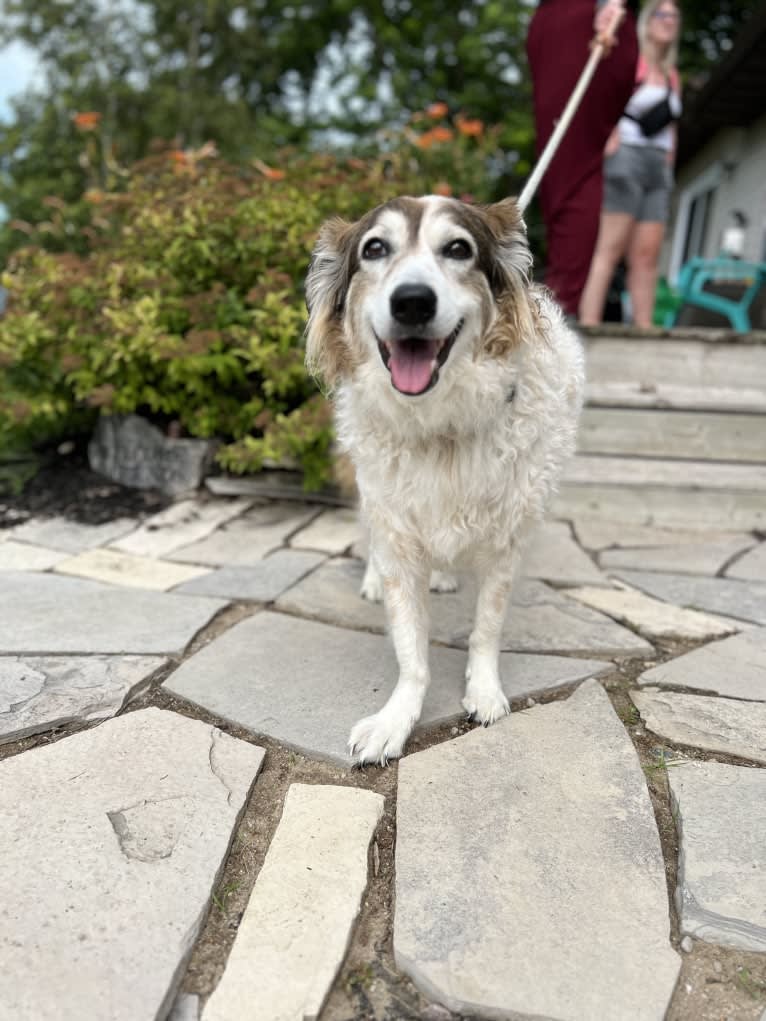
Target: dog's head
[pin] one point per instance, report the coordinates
(417, 286)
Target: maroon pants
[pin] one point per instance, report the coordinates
(571, 189)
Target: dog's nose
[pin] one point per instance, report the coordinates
(413, 304)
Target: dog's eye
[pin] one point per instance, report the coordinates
(375, 249)
(457, 249)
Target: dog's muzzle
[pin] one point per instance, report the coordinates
(414, 362)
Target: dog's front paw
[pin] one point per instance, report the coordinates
(441, 581)
(379, 738)
(485, 700)
(372, 585)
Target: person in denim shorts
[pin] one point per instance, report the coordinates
(638, 172)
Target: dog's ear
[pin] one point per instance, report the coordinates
(509, 277)
(328, 355)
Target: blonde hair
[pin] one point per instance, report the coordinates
(669, 60)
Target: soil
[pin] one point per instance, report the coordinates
(64, 485)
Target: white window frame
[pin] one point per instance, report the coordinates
(707, 180)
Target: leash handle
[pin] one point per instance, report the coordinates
(602, 43)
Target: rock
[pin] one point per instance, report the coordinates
(553, 555)
(740, 599)
(334, 531)
(687, 944)
(21, 556)
(112, 843)
(750, 567)
(689, 558)
(263, 582)
(49, 613)
(39, 694)
(529, 877)
(651, 616)
(116, 568)
(715, 724)
(130, 450)
(70, 536)
(185, 522)
(734, 667)
(297, 925)
(307, 684)
(721, 816)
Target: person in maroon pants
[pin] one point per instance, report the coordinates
(558, 47)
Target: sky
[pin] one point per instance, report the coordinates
(18, 65)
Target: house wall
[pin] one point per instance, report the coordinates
(734, 164)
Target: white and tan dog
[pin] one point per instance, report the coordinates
(457, 387)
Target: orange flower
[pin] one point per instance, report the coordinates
(442, 134)
(424, 141)
(442, 188)
(94, 196)
(437, 110)
(87, 121)
(177, 156)
(270, 173)
(469, 127)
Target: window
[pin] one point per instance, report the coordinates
(697, 224)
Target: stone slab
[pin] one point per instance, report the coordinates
(742, 600)
(690, 558)
(334, 531)
(185, 522)
(540, 620)
(721, 817)
(306, 684)
(597, 533)
(22, 556)
(553, 555)
(652, 617)
(297, 925)
(112, 841)
(117, 568)
(263, 582)
(275, 485)
(70, 536)
(186, 1008)
(661, 472)
(734, 667)
(38, 694)
(750, 567)
(49, 613)
(530, 880)
(249, 538)
(702, 721)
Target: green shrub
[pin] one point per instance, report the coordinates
(188, 308)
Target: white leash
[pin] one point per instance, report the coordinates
(603, 44)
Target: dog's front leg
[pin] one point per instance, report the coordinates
(484, 698)
(382, 737)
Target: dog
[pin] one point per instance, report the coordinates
(457, 387)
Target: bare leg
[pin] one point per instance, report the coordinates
(382, 737)
(484, 696)
(613, 238)
(643, 255)
(372, 583)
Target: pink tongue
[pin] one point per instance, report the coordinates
(411, 365)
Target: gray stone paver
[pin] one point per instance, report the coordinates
(653, 617)
(715, 724)
(46, 613)
(117, 568)
(297, 925)
(689, 558)
(539, 620)
(247, 539)
(306, 684)
(38, 694)
(742, 600)
(734, 667)
(111, 843)
(599, 533)
(721, 815)
(262, 582)
(553, 555)
(334, 531)
(750, 567)
(22, 556)
(184, 522)
(529, 879)
(70, 536)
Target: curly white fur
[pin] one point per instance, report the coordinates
(455, 476)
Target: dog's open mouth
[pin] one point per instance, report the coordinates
(414, 362)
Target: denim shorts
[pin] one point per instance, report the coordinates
(638, 181)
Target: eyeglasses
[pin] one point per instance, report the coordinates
(667, 15)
